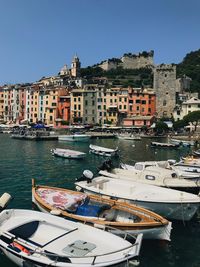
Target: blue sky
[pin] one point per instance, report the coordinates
(37, 37)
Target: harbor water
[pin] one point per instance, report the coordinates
(21, 160)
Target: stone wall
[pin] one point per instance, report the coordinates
(165, 88)
(129, 61)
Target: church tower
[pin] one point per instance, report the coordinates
(165, 89)
(75, 67)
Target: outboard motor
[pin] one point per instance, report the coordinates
(106, 165)
(4, 200)
(86, 176)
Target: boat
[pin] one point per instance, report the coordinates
(68, 153)
(74, 137)
(164, 145)
(4, 200)
(169, 166)
(182, 142)
(100, 212)
(152, 173)
(103, 151)
(169, 203)
(196, 153)
(34, 238)
(129, 137)
(189, 164)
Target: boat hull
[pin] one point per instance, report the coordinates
(171, 211)
(53, 241)
(74, 138)
(116, 215)
(161, 232)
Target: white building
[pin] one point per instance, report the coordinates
(193, 104)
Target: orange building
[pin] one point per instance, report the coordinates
(63, 108)
(141, 102)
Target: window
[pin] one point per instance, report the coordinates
(164, 102)
(79, 107)
(143, 102)
(86, 102)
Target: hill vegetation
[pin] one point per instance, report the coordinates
(190, 66)
(121, 77)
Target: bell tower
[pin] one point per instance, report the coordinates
(75, 67)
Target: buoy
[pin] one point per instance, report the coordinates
(4, 200)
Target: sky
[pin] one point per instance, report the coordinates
(37, 37)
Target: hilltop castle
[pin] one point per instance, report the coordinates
(129, 61)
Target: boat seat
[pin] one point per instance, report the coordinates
(91, 210)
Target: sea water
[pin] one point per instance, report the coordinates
(22, 160)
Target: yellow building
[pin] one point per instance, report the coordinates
(50, 100)
(1, 104)
(76, 111)
(110, 105)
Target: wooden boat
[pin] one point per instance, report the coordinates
(68, 153)
(74, 137)
(103, 151)
(33, 238)
(100, 212)
(169, 203)
(164, 145)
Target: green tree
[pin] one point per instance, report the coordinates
(192, 117)
(179, 124)
(161, 127)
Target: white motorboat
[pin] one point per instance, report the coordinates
(196, 153)
(129, 137)
(100, 212)
(182, 142)
(68, 153)
(170, 168)
(189, 164)
(33, 238)
(103, 151)
(152, 174)
(74, 137)
(169, 203)
(164, 145)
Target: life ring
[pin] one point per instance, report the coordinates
(20, 247)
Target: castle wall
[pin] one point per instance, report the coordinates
(136, 62)
(129, 61)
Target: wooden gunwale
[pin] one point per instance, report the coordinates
(145, 222)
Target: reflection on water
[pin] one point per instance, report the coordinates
(20, 161)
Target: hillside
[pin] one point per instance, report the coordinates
(121, 77)
(190, 66)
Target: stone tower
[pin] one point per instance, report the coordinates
(75, 67)
(165, 88)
